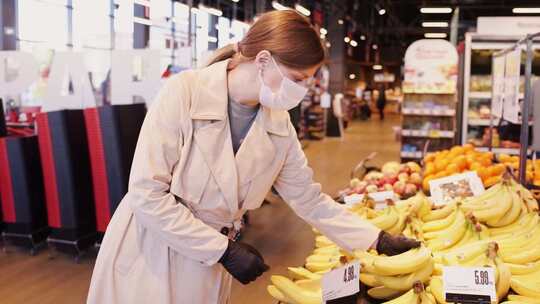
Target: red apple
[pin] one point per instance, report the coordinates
(399, 187)
(403, 177)
(388, 187)
(403, 168)
(415, 178)
(410, 189)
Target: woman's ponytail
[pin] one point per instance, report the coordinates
(223, 53)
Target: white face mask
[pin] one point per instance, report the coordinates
(290, 93)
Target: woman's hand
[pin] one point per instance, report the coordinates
(243, 262)
(392, 245)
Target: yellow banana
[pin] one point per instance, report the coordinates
(524, 287)
(526, 196)
(479, 201)
(311, 285)
(427, 298)
(523, 299)
(322, 241)
(294, 292)
(410, 297)
(327, 250)
(526, 221)
(530, 255)
(387, 220)
(436, 285)
(404, 263)
(438, 269)
(440, 224)
(369, 279)
(512, 215)
(383, 293)
(495, 208)
(278, 295)
(299, 273)
(400, 224)
(441, 213)
(322, 266)
(465, 253)
(322, 258)
(406, 282)
(454, 232)
(503, 282)
(519, 269)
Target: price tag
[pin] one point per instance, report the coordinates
(446, 189)
(475, 285)
(341, 282)
(435, 133)
(353, 199)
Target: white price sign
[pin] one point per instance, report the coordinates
(341, 282)
(469, 284)
(446, 189)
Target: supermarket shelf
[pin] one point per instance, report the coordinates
(429, 112)
(482, 122)
(480, 95)
(405, 154)
(510, 151)
(427, 133)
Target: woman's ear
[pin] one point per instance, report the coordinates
(262, 59)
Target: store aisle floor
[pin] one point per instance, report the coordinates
(281, 237)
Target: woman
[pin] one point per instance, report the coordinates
(381, 102)
(211, 147)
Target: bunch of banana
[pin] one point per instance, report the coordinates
(393, 275)
(416, 295)
(302, 291)
(445, 233)
(388, 219)
(413, 228)
(418, 205)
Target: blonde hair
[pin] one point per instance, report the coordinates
(287, 35)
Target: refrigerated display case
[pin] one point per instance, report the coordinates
(476, 110)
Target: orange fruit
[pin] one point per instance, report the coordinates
(468, 148)
(486, 161)
(430, 169)
(457, 150)
(475, 166)
(452, 169)
(483, 173)
(441, 174)
(492, 181)
(440, 165)
(514, 158)
(430, 157)
(497, 169)
(425, 182)
(461, 162)
(504, 158)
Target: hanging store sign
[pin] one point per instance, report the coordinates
(384, 77)
(134, 73)
(497, 86)
(515, 26)
(431, 67)
(511, 108)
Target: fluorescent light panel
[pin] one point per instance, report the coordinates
(435, 10)
(278, 6)
(211, 10)
(382, 11)
(377, 67)
(526, 10)
(354, 43)
(302, 9)
(435, 24)
(435, 35)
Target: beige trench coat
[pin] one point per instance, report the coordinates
(163, 242)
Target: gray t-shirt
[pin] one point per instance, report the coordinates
(241, 118)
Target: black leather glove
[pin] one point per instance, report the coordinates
(243, 262)
(392, 245)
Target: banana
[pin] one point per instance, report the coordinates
(410, 297)
(465, 253)
(452, 233)
(512, 215)
(387, 220)
(427, 298)
(479, 201)
(278, 295)
(495, 208)
(523, 299)
(369, 279)
(322, 241)
(524, 287)
(311, 285)
(322, 258)
(438, 269)
(468, 237)
(530, 255)
(519, 269)
(441, 213)
(441, 224)
(406, 282)
(400, 224)
(383, 293)
(526, 196)
(436, 285)
(404, 263)
(322, 266)
(299, 273)
(503, 282)
(327, 250)
(294, 292)
(526, 221)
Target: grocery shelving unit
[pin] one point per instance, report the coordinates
(476, 111)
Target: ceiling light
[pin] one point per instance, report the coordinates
(347, 39)
(382, 11)
(377, 67)
(435, 10)
(526, 10)
(280, 7)
(352, 76)
(362, 37)
(302, 9)
(354, 43)
(435, 35)
(235, 1)
(212, 39)
(435, 24)
(323, 31)
(328, 44)
(211, 10)
(374, 47)
(340, 21)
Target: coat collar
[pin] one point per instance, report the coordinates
(210, 98)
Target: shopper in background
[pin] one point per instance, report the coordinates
(212, 145)
(381, 102)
